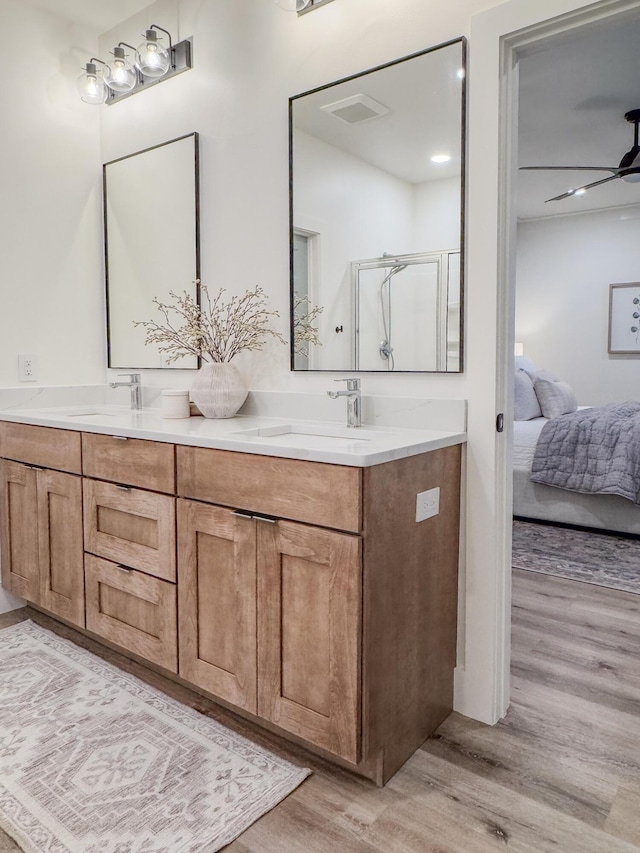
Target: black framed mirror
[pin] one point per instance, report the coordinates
(152, 244)
(377, 217)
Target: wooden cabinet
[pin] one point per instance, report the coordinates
(303, 595)
(269, 615)
(19, 540)
(130, 569)
(41, 541)
(132, 610)
(132, 461)
(313, 492)
(58, 449)
(132, 527)
(309, 634)
(217, 602)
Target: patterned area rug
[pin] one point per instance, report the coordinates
(598, 558)
(92, 760)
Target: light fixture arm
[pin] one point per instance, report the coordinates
(95, 59)
(125, 44)
(162, 29)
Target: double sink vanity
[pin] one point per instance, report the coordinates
(273, 564)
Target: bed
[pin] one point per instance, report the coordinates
(547, 503)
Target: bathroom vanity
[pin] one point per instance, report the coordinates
(278, 569)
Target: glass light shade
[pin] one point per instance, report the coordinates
(152, 59)
(292, 5)
(91, 85)
(120, 76)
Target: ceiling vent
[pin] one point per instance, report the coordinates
(356, 109)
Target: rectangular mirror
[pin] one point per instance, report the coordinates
(377, 218)
(151, 220)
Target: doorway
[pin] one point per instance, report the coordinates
(516, 33)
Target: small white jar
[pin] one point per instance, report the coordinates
(175, 404)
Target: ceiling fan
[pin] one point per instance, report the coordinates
(628, 170)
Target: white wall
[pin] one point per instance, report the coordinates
(565, 267)
(359, 212)
(51, 301)
(437, 216)
(50, 217)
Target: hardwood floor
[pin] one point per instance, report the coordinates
(560, 773)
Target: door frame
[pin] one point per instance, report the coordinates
(499, 37)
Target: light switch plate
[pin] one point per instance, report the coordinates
(427, 504)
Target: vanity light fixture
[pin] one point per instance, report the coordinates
(91, 85)
(153, 63)
(121, 76)
(152, 57)
(440, 158)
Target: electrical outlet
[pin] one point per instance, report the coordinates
(27, 367)
(427, 504)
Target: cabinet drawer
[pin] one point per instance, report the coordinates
(135, 462)
(43, 446)
(132, 610)
(132, 527)
(313, 492)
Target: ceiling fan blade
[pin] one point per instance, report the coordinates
(572, 168)
(585, 187)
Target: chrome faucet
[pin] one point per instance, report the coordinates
(354, 414)
(135, 384)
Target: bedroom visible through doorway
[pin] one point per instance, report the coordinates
(576, 90)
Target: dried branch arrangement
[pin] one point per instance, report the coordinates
(304, 332)
(215, 330)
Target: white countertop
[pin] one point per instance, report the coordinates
(315, 441)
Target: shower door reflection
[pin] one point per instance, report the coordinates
(406, 312)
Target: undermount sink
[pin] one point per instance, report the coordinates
(84, 411)
(312, 434)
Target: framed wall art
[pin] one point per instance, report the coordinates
(624, 319)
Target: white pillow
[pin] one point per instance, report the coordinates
(522, 362)
(555, 398)
(525, 402)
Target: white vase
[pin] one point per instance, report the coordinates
(218, 390)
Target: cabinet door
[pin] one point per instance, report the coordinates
(18, 530)
(309, 605)
(60, 546)
(217, 601)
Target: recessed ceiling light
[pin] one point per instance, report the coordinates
(581, 191)
(440, 158)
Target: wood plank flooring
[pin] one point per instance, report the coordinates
(560, 773)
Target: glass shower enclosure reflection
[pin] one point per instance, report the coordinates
(406, 311)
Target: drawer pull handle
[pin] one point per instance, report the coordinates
(246, 515)
(124, 568)
(120, 437)
(265, 519)
(123, 488)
